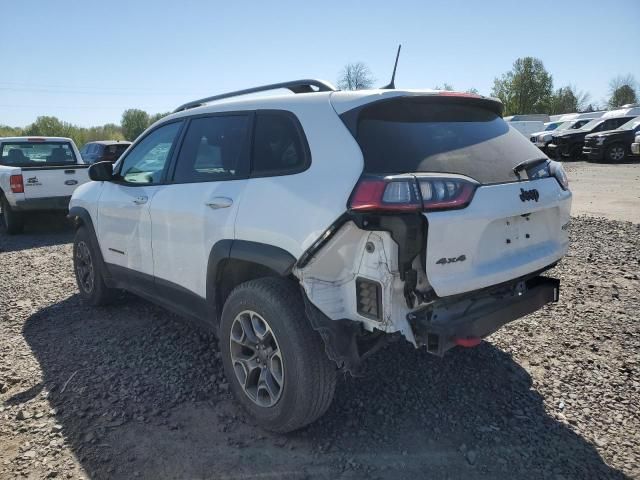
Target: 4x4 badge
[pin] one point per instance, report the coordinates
(445, 261)
(526, 195)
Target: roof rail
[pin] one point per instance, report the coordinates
(296, 86)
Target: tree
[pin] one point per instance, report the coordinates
(134, 122)
(445, 86)
(568, 100)
(473, 90)
(623, 91)
(355, 76)
(527, 88)
(154, 118)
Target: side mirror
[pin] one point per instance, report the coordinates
(101, 172)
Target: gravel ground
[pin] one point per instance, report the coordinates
(130, 391)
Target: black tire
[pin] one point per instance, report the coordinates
(309, 377)
(87, 265)
(615, 153)
(12, 221)
(575, 154)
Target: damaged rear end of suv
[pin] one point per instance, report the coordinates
(447, 233)
(309, 230)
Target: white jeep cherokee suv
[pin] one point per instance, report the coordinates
(307, 230)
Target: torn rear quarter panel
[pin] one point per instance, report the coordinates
(329, 278)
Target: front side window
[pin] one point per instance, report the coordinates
(146, 162)
(36, 154)
(214, 148)
(278, 146)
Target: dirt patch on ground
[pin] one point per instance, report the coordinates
(131, 391)
(603, 190)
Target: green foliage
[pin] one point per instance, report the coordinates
(446, 86)
(154, 118)
(623, 95)
(568, 100)
(134, 122)
(527, 88)
(622, 90)
(48, 126)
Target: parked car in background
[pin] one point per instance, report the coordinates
(37, 174)
(309, 230)
(526, 127)
(568, 144)
(528, 117)
(571, 121)
(613, 145)
(103, 150)
(635, 146)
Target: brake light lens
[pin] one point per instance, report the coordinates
(16, 183)
(445, 193)
(408, 193)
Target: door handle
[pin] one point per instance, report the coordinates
(219, 202)
(140, 200)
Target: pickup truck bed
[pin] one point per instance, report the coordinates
(37, 174)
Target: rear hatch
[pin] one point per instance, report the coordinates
(49, 168)
(510, 225)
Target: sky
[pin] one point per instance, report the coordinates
(86, 61)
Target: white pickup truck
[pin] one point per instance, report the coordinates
(37, 174)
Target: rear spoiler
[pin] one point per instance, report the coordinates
(350, 117)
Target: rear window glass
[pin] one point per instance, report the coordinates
(117, 149)
(418, 135)
(278, 147)
(35, 154)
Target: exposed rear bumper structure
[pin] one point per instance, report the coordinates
(440, 327)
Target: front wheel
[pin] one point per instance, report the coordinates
(272, 357)
(12, 221)
(89, 275)
(615, 153)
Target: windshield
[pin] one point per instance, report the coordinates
(552, 126)
(36, 154)
(417, 135)
(591, 124)
(631, 124)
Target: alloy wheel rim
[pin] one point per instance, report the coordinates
(84, 267)
(256, 359)
(617, 153)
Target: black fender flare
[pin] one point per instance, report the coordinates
(276, 259)
(81, 217)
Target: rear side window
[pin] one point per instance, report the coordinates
(36, 154)
(214, 148)
(279, 147)
(439, 135)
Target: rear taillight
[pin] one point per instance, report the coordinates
(409, 193)
(445, 193)
(386, 194)
(16, 183)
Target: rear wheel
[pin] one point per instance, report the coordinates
(272, 357)
(89, 275)
(615, 153)
(12, 221)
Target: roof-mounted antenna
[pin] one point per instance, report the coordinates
(392, 83)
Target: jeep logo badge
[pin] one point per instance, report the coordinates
(526, 195)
